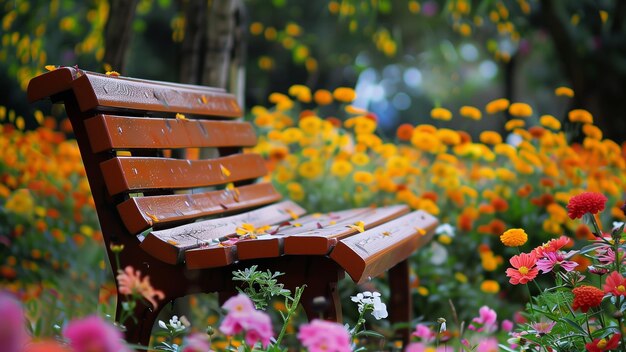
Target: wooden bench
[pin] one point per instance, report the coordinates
(157, 206)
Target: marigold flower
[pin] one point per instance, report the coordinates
(470, 112)
(514, 237)
(490, 286)
(601, 345)
(580, 115)
(341, 168)
(586, 297)
(496, 106)
(322, 97)
(523, 270)
(490, 137)
(520, 110)
(586, 202)
(615, 284)
(513, 124)
(344, 94)
(592, 131)
(404, 132)
(441, 114)
(550, 122)
(564, 92)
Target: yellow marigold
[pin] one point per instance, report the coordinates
(513, 124)
(310, 169)
(426, 128)
(592, 131)
(564, 92)
(310, 124)
(520, 110)
(322, 97)
(490, 137)
(363, 177)
(292, 135)
(276, 98)
(514, 237)
(364, 125)
(580, 115)
(470, 112)
(490, 286)
(360, 159)
(497, 105)
(448, 136)
(425, 141)
(344, 94)
(441, 114)
(505, 174)
(300, 92)
(505, 149)
(341, 168)
(296, 192)
(460, 277)
(523, 133)
(256, 28)
(550, 122)
(20, 202)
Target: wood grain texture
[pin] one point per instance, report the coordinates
(107, 132)
(123, 174)
(168, 245)
(370, 253)
(141, 213)
(321, 241)
(50, 83)
(98, 91)
(272, 246)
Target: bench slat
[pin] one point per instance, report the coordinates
(169, 245)
(123, 174)
(370, 253)
(272, 245)
(108, 132)
(321, 241)
(139, 213)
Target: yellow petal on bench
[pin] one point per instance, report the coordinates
(225, 171)
(113, 73)
(180, 116)
(153, 217)
(359, 226)
(203, 99)
(50, 67)
(293, 214)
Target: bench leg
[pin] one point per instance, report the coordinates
(328, 290)
(400, 304)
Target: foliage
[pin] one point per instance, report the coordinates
(260, 286)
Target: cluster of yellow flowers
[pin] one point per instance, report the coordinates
(328, 163)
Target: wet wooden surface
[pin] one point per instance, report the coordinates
(108, 132)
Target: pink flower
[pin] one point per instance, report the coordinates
(523, 270)
(615, 284)
(423, 347)
(424, 332)
(130, 283)
(320, 336)
(551, 246)
(507, 325)
(488, 345)
(243, 317)
(94, 334)
(542, 327)
(586, 202)
(12, 324)
(197, 342)
(486, 320)
(551, 259)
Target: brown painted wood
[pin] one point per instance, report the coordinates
(107, 132)
(170, 244)
(123, 174)
(141, 213)
(321, 241)
(272, 245)
(371, 253)
(50, 84)
(400, 303)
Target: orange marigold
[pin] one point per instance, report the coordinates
(404, 132)
(514, 237)
(586, 297)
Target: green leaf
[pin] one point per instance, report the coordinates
(574, 325)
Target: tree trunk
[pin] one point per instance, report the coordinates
(193, 42)
(118, 32)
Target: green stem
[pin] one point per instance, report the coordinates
(291, 309)
(530, 300)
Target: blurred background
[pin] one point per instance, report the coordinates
(402, 57)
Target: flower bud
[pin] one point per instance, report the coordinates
(210, 331)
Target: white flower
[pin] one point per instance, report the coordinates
(371, 300)
(439, 253)
(445, 229)
(380, 309)
(162, 324)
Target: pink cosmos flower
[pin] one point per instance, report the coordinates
(130, 283)
(551, 246)
(550, 259)
(542, 327)
(615, 284)
(605, 255)
(486, 320)
(523, 270)
(507, 325)
(488, 345)
(321, 336)
(243, 317)
(13, 333)
(424, 332)
(94, 334)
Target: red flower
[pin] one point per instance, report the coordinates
(586, 202)
(586, 297)
(615, 284)
(553, 245)
(525, 269)
(600, 345)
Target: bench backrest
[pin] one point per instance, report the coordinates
(126, 130)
